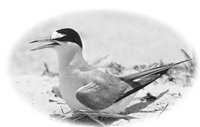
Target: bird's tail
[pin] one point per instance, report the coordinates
(141, 83)
(151, 71)
(146, 77)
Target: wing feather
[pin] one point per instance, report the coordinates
(97, 97)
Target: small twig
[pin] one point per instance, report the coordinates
(104, 114)
(61, 103)
(163, 109)
(48, 72)
(175, 95)
(79, 118)
(186, 54)
(46, 67)
(99, 122)
(50, 100)
(192, 63)
(62, 110)
(60, 117)
(69, 111)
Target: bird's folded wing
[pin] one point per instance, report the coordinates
(97, 97)
(141, 83)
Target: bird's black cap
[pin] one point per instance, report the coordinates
(69, 35)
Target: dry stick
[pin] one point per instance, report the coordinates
(192, 63)
(79, 118)
(69, 111)
(62, 111)
(46, 67)
(104, 114)
(48, 72)
(163, 110)
(84, 113)
(50, 100)
(60, 117)
(96, 120)
(185, 53)
(61, 103)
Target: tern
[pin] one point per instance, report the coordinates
(84, 87)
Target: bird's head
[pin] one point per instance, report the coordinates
(61, 39)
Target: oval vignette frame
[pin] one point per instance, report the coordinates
(107, 33)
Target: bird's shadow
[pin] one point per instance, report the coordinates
(86, 120)
(135, 108)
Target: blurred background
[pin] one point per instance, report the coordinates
(125, 38)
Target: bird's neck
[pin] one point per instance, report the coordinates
(74, 58)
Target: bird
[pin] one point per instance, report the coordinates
(84, 87)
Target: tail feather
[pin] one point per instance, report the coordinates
(145, 78)
(143, 83)
(151, 71)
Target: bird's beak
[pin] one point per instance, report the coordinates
(51, 45)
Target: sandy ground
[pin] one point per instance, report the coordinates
(37, 91)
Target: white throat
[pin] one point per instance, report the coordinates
(71, 55)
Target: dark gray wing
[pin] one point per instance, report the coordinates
(98, 97)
